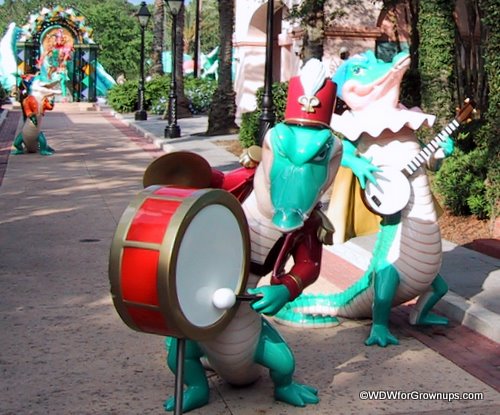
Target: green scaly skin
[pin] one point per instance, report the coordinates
(384, 279)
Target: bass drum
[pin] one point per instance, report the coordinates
(172, 249)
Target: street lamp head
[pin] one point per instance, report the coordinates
(174, 6)
(143, 15)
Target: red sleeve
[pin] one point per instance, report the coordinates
(238, 182)
(306, 253)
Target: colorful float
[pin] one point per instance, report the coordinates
(56, 43)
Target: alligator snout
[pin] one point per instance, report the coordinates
(288, 220)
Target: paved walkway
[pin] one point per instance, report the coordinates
(64, 350)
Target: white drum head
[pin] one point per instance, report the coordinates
(206, 248)
(210, 257)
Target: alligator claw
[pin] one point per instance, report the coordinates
(297, 394)
(380, 335)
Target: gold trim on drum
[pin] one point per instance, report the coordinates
(170, 250)
(116, 252)
(163, 314)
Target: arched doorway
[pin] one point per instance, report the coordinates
(250, 55)
(57, 44)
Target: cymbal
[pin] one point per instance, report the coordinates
(182, 168)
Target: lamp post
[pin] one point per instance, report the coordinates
(172, 130)
(267, 117)
(197, 38)
(143, 16)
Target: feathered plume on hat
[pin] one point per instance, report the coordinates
(311, 96)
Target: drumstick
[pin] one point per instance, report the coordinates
(248, 297)
(225, 298)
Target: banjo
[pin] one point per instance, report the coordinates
(392, 191)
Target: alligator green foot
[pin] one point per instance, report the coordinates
(45, 149)
(18, 145)
(296, 394)
(273, 352)
(420, 315)
(196, 392)
(193, 397)
(431, 319)
(380, 335)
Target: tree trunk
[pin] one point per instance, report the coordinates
(158, 33)
(313, 24)
(222, 113)
(182, 102)
(471, 76)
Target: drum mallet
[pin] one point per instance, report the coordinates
(225, 298)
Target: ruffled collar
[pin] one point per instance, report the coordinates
(352, 124)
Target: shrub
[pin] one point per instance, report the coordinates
(460, 182)
(156, 94)
(250, 121)
(249, 130)
(199, 92)
(123, 98)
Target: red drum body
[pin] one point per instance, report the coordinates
(172, 249)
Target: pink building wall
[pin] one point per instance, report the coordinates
(358, 30)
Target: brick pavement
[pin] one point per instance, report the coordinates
(472, 352)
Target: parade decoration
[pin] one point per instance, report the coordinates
(57, 43)
(186, 262)
(381, 145)
(36, 98)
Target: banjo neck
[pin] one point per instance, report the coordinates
(429, 149)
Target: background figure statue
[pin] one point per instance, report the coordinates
(36, 97)
(57, 52)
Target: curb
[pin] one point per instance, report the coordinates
(471, 315)
(160, 143)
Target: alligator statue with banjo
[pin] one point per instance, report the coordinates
(383, 157)
(191, 248)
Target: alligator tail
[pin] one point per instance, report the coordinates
(321, 310)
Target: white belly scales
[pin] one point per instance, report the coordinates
(231, 353)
